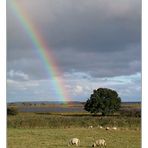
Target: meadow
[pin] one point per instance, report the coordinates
(54, 129)
(58, 137)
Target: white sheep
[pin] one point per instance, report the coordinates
(107, 128)
(74, 141)
(100, 127)
(90, 127)
(100, 143)
(114, 128)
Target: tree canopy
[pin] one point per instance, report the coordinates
(103, 100)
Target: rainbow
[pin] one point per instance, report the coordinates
(43, 51)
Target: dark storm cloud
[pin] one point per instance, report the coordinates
(101, 38)
(124, 62)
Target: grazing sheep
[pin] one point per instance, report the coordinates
(100, 143)
(114, 128)
(74, 141)
(100, 127)
(107, 128)
(90, 127)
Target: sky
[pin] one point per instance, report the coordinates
(95, 44)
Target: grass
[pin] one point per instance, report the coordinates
(53, 130)
(58, 138)
(66, 120)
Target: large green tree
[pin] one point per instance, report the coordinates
(103, 100)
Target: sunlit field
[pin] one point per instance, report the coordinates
(54, 129)
(58, 138)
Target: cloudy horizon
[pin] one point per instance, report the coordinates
(95, 43)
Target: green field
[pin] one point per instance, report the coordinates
(53, 130)
(58, 138)
(67, 120)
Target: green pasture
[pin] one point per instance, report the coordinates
(53, 130)
(67, 120)
(58, 138)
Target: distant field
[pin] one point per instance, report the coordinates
(43, 107)
(70, 107)
(51, 109)
(58, 138)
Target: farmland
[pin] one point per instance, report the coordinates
(58, 138)
(54, 129)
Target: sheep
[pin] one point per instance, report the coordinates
(90, 127)
(107, 128)
(114, 128)
(74, 141)
(100, 127)
(100, 143)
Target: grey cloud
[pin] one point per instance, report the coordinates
(124, 62)
(34, 68)
(85, 25)
(101, 38)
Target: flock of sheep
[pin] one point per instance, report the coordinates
(106, 128)
(99, 142)
(76, 141)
